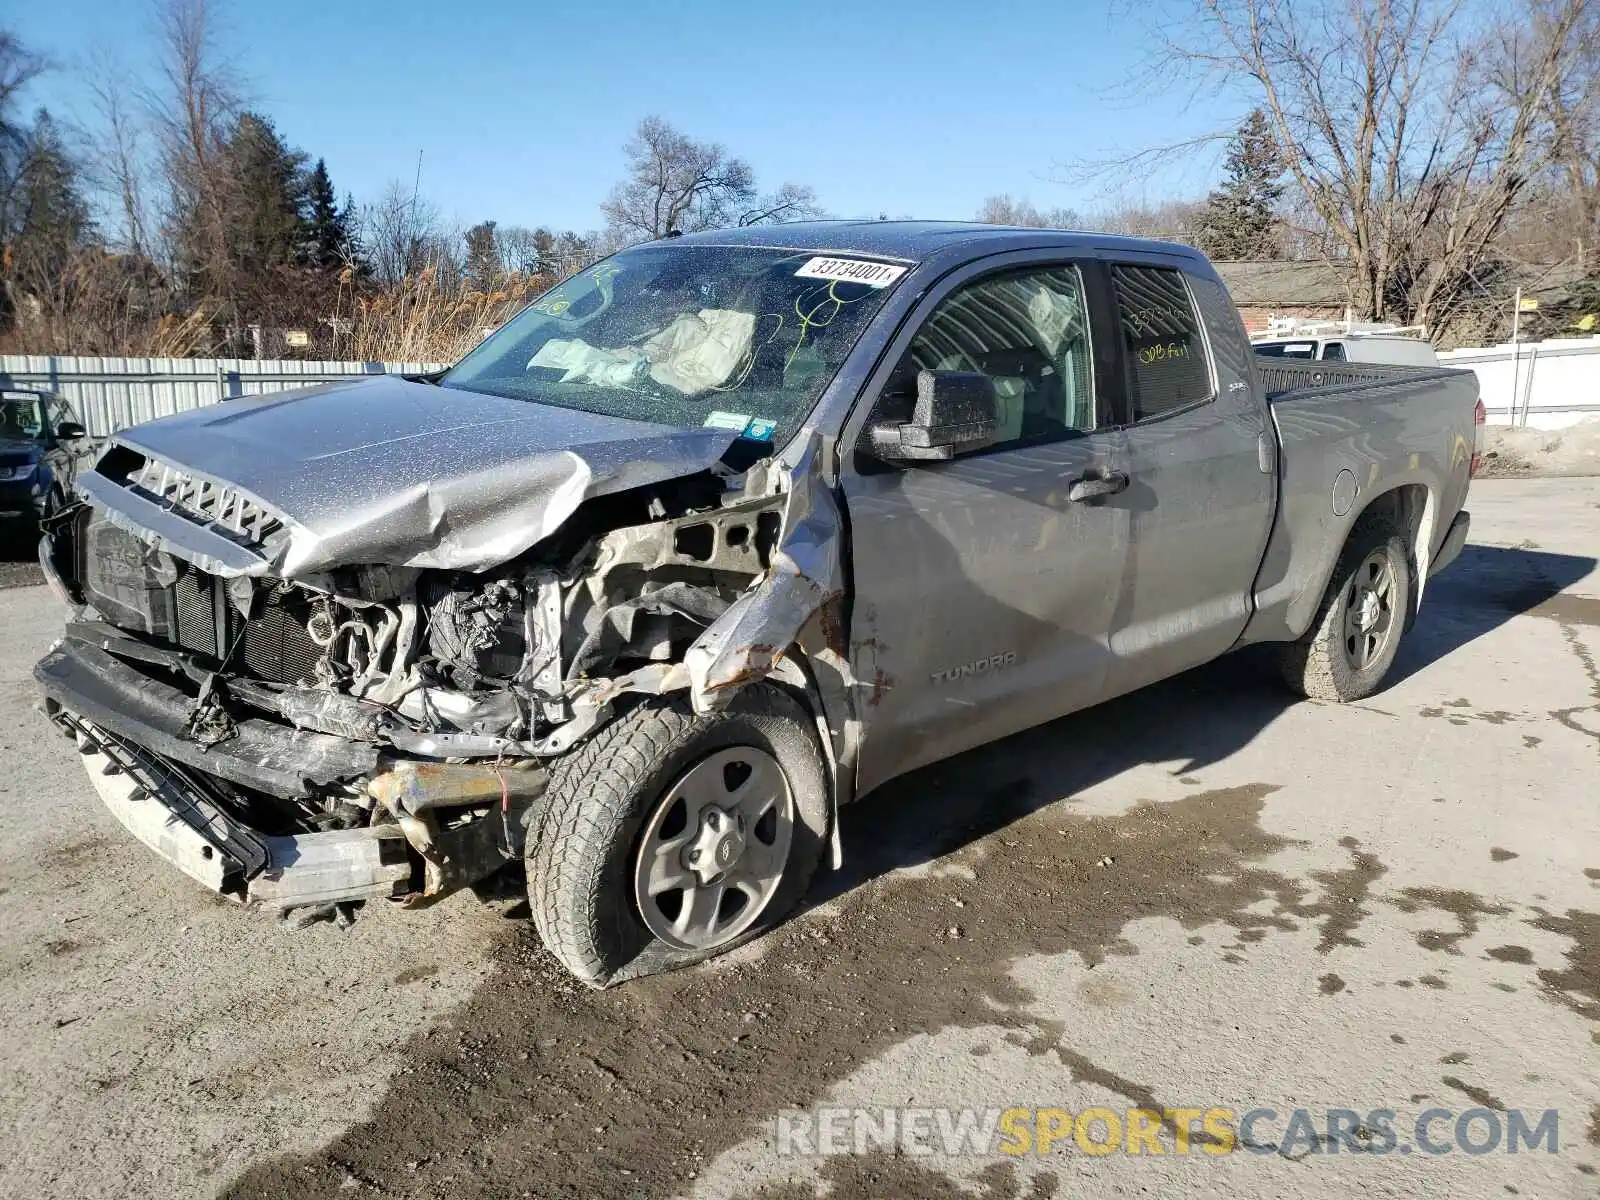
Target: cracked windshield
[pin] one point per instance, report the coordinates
(734, 338)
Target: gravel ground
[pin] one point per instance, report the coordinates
(1200, 895)
(1521, 453)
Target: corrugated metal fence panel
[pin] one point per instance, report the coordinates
(113, 393)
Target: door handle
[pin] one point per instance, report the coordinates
(1091, 486)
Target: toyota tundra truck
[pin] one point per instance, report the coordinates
(711, 539)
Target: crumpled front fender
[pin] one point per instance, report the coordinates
(747, 641)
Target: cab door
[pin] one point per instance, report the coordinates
(1202, 471)
(985, 585)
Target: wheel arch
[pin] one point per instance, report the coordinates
(1305, 548)
(817, 679)
(1413, 507)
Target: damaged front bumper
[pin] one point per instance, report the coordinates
(431, 828)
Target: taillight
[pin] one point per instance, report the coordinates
(1480, 418)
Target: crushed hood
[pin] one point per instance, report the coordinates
(388, 471)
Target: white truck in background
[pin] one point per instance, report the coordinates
(1345, 341)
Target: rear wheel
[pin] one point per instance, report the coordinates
(1353, 641)
(671, 836)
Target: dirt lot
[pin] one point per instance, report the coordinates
(1201, 895)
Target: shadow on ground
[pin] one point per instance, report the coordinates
(539, 1086)
(1481, 590)
(1194, 720)
(19, 554)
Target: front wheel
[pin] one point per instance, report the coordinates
(1353, 641)
(670, 836)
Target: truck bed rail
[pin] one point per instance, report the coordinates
(1280, 377)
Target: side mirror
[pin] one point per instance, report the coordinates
(956, 411)
(70, 431)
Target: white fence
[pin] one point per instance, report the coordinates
(113, 393)
(1546, 385)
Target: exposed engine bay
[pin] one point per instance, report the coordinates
(448, 664)
(386, 702)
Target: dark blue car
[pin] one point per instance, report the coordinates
(40, 438)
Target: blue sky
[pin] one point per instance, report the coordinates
(521, 109)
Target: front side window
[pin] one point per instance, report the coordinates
(1166, 353)
(1333, 352)
(1029, 332)
(734, 337)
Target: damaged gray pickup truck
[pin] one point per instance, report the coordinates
(711, 539)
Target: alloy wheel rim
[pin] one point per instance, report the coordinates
(715, 848)
(1369, 615)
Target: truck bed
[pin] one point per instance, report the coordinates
(1347, 432)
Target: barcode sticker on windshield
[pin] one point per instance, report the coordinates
(852, 270)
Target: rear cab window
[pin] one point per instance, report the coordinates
(1164, 348)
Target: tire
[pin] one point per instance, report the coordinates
(1341, 656)
(606, 803)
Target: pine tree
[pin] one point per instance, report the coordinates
(267, 199)
(1238, 220)
(330, 240)
(483, 258)
(355, 248)
(323, 240)
(49, 212)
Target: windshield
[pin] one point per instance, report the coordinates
(727, 336)
(21, 417)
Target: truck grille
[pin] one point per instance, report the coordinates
(213, 505)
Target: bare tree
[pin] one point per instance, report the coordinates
(1569, 206)
(675, 184)
(571, 252)
(1410, 126)
(1170, 220)
(1003, 210)
(791, 202)
(19, 67)
(117, 151)
(192, 108)
(402, 235)
(522, 250)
